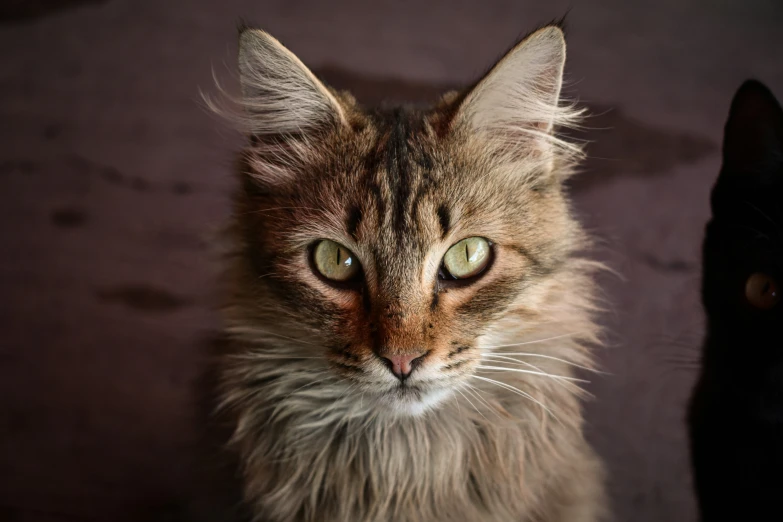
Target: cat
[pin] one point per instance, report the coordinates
(407, 301)
(735, 416)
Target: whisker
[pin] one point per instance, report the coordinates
(459, 411)
(308, 384)
(532, 342)
(472, 390)
(544, 374)
(345, 392)
(759, 233)
(252, 355)
(276, 410)
(266, 332)
(276, 208)
(471, 403)
(498, 359)
(519, 392)
(475, 392)
(562, 381)
(757, 209)
(496, 354)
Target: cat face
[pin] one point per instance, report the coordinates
(385, 245)
(743, 251)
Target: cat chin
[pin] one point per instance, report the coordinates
(415, 405)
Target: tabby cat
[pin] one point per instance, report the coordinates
(406, 302)
(736, 412)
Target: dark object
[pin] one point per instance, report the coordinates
(735, 416)
(143, 297)
(69, 217)
(21, 10)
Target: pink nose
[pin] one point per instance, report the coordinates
(403, 365)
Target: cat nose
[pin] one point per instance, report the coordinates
(402, 365)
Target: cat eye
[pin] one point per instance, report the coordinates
(466, 259)
(334, 261)
(762, 291)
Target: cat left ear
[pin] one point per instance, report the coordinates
(515, 107)
(753, 136)
(279, 93)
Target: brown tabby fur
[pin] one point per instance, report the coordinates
(322, 428)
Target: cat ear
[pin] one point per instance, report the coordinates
(753, 136)
(516, 105)
(279, 93)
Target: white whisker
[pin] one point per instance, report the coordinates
(277, 208)
(308, 384)
(344, 393)
(532, 342)
(257, 332)
(459, 410)
(519, 392)
(475, 392)
(543, 374)
(471, 403)
(526, 354)
(252, 355)
(563, 381)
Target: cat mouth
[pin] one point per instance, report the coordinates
(407, 389)
(405, 392)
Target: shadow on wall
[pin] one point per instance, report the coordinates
(617, 144)
(14, 11)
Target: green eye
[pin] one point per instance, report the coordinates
(466, 259)
(334, 261)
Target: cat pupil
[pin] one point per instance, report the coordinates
(334, 261)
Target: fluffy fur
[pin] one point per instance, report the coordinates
(489, 426)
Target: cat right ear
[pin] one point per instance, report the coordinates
(280, 95)
(753, 136)
(515, 109)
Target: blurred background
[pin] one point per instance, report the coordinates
(112, 177)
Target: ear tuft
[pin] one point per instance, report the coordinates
(280, 94)
(516, 108)
(283, 108)
(242, 26)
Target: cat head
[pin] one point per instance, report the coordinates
(743, 250)
(382, 248)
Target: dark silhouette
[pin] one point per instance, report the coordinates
(736, 412)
